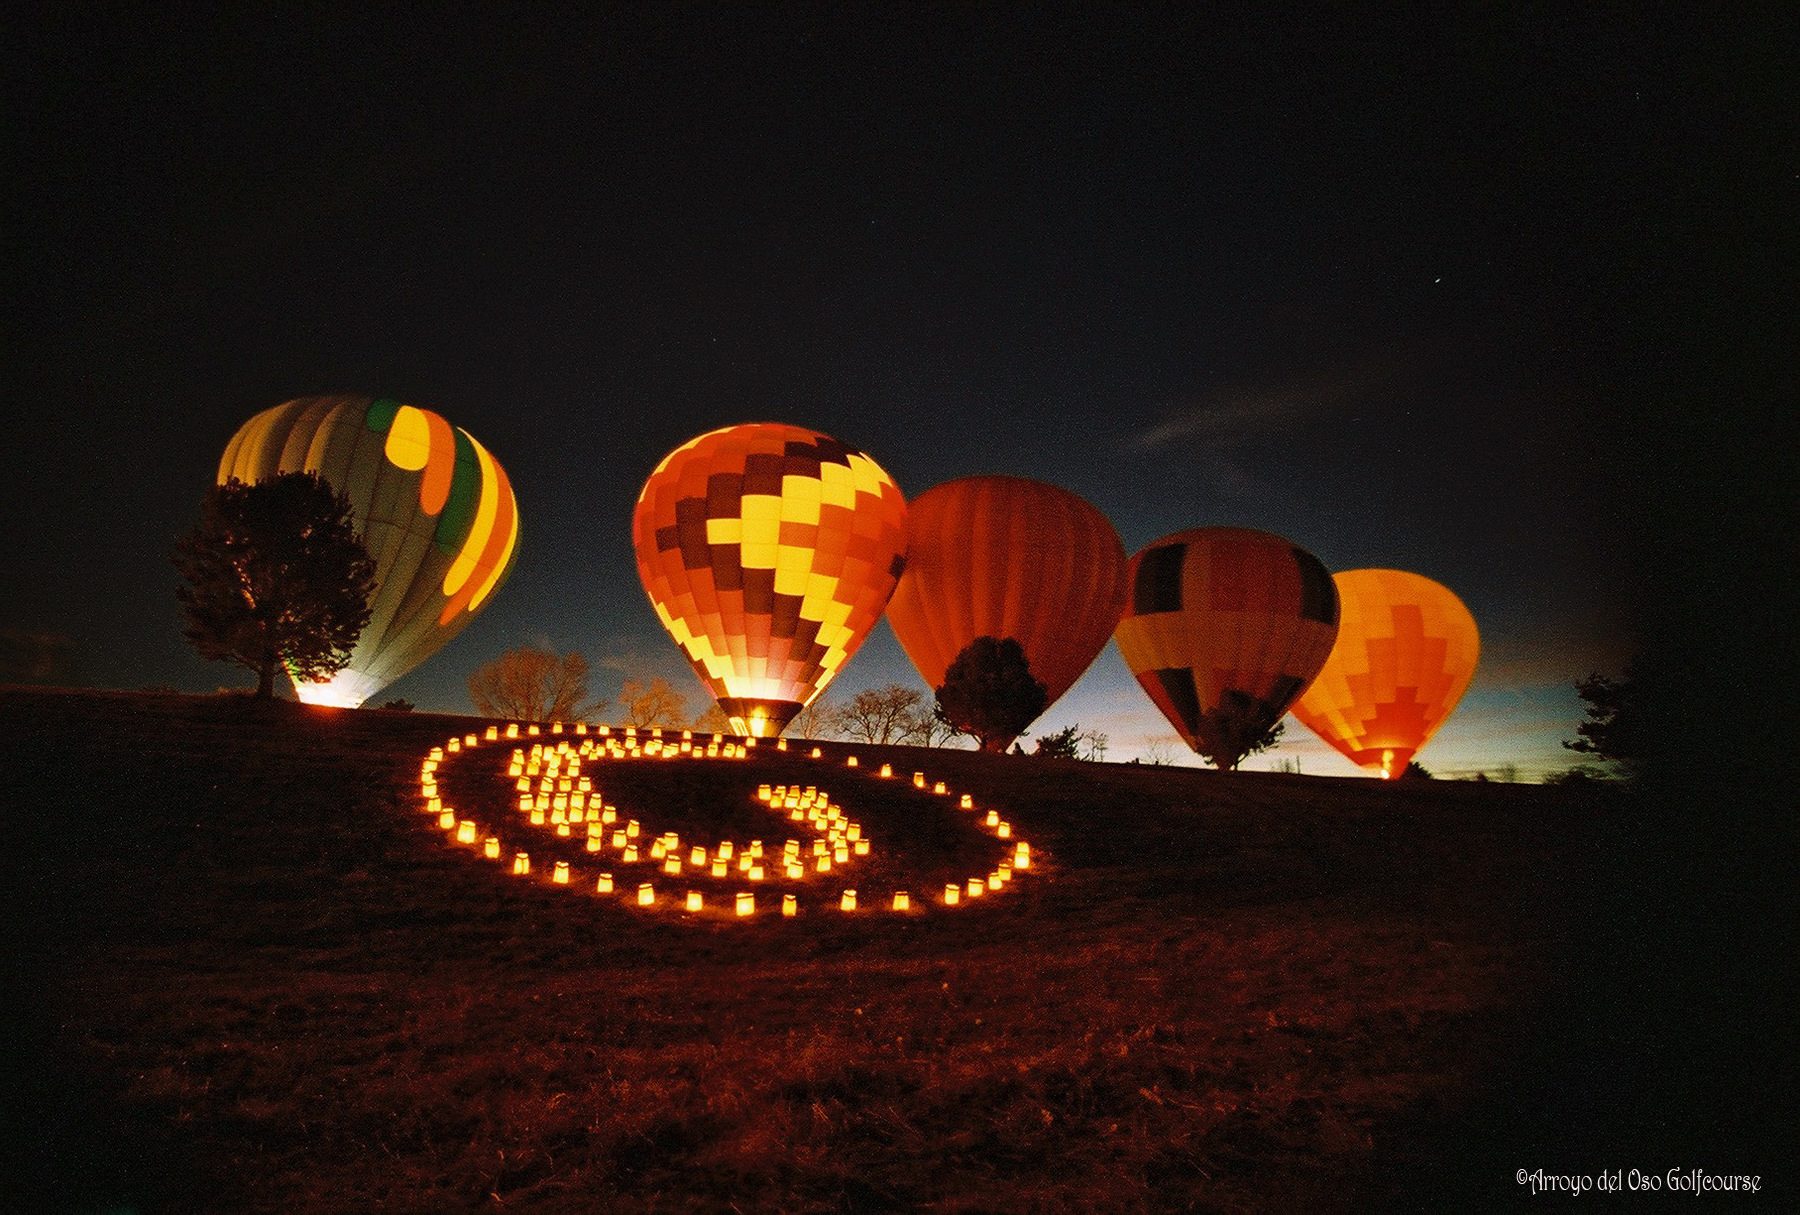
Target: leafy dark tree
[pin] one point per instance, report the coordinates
(990, 693)
(400, 705)
(529, 684)
(1612, 730)
(275, 576)
(1415, 771)
(1239, 728)
(1064, 744)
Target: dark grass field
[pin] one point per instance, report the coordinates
(252, 976)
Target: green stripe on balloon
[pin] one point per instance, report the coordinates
(380, 415)
(465, 497)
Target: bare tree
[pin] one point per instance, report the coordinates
(1162, 751)
(882, 715)
(817, 720)
(713, 721)
(529, 684)
(1092, 743)
(653, 704)
(927, 729)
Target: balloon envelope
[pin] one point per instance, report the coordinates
(768, 552)
(434, 509)
(1405, 653)
(1008, 557)
(1224, 628)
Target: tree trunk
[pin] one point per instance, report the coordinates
(265, 678)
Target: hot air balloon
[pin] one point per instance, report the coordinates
(1405, 652)
(1226, 626)
(434, 510)
(1006, 557)
(768, 552)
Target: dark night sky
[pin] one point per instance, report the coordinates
(1373, 285)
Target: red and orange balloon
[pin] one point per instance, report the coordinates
(1224, 628)
(1006, 557)
(1405, 653)
(768, 552)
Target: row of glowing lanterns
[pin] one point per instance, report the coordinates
(554, 795)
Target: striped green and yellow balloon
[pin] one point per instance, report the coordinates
(434, 509)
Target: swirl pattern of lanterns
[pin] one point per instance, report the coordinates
(555, 797)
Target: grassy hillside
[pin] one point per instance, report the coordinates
(259, 979)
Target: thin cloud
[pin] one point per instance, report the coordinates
(1226, 417)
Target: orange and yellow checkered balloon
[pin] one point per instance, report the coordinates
(768, 552)
(1405, 653)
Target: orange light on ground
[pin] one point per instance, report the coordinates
(847, 902)
(952, 895)
(521, 864)
(790, 905)
(746, 902)
(491, 847)
(561, 873)
(465, 832)
(603, 884)
(694, 901)
(646, 895)
(977, 888)
(851, 762)
(902, 901)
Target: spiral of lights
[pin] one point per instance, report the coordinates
(554, 795)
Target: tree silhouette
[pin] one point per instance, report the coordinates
(1612, 730)
(990, 693)
(882, 715)
(713, 721)
(529, 684)
(654, 704)
(275, 576)
(820, 719)
(1240, 727)
(1064, 744)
